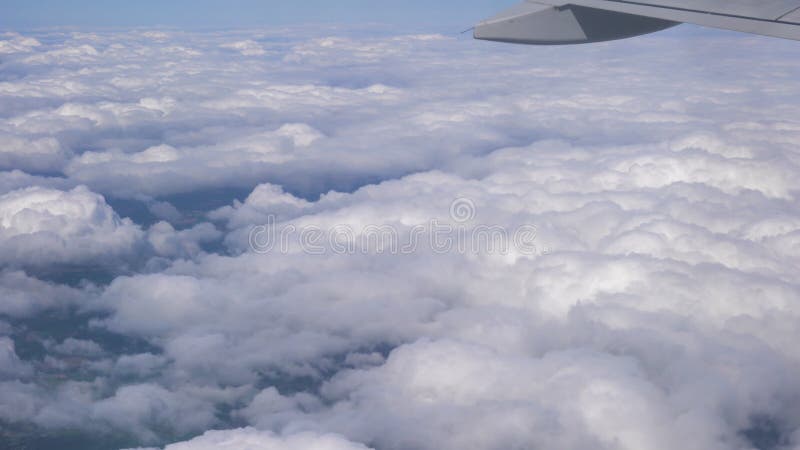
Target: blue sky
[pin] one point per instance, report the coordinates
(20, 14)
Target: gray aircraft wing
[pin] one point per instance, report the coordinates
(581, 21)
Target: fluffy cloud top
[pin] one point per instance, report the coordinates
(41, 226)
(251, 439)
(16, 43)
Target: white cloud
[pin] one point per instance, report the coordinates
(135, 408)
(683, 311)
(22, 296)
(166, 241)
(246, 48)
(428, 389)
(140, 366)
(251, 439)
(65, 55)
(40, 226)
(266, 200)
(39, 155)
(16, 43)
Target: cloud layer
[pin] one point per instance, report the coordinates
(657, 308)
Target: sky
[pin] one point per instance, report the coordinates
(16, 14)
(337, 238)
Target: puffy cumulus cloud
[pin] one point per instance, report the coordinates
(135, 408)
(22, 296)
(188, 243)
(39, 155)
(143, 413)
(265, 201)
(137, 366)
(653, 302)
(40, 227)
(427, 390)
(10, 364)
(605, 341)
(16, 43)
(251, 439)
(246, 48)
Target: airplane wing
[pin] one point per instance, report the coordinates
(580, 21)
